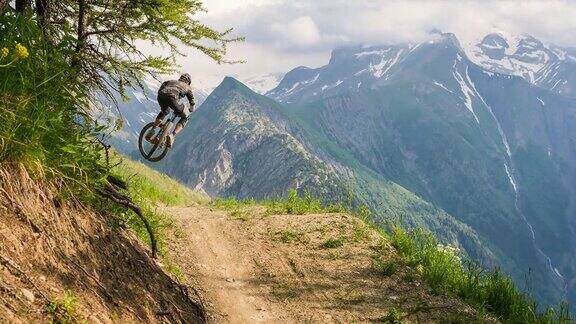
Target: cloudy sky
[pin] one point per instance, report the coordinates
(283, 34)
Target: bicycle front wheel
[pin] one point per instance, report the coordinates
(154, 150)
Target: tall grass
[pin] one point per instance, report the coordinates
(43, 111)
(155, 187)
(292, 204)
(491, 292)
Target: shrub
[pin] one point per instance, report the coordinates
(492, 292)
(333, 243)
(386, 268)
(63, 310)
(45, 122)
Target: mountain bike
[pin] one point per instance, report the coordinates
(156, 148)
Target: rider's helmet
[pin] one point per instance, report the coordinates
(185, 78)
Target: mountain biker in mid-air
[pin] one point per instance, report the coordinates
(169, 95)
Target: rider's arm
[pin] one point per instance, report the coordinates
(190, 97)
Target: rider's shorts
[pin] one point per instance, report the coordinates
(168, 102)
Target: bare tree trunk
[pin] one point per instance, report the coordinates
(80, 36)
(42, 7)
(22, 5)
(81, 22)
(3, 4)
(43, 12)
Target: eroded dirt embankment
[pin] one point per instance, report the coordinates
(58, 252)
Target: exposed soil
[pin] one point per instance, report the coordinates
(301, 268)
(249, 268)
(51, 245)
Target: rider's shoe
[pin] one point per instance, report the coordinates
(150, 133)
(170, 140)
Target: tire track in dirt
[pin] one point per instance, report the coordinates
(215, 253)
(301, 269)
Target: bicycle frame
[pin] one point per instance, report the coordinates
(167, 125)
(159, 139)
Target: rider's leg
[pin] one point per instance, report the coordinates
(179, 127)
(157, 123)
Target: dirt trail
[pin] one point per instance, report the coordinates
(215, 254)
(299, 268)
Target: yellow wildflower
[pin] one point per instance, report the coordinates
(4, 52)
(21, 51)
(420, 269)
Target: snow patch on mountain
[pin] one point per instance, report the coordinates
(372, 53)
(442, 86)
(331, 86)
(264, 83)
(521, 55)
(465, 87)
(385, 65)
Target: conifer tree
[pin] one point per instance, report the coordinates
(106, 39)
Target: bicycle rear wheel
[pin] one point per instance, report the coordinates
(156, 151)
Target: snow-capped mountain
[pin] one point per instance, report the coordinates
(545, 65)
(264, 83)
(352, 68)
(548, 66)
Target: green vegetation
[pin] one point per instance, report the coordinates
(333, 243)
(293, 204)
(156, 187)
(45, 125)
(387, 268)
(288, 236)
(394, 316)
(99, 39)
(63, 310)
(490, 292)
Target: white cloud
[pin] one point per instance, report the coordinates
(221, 7)
(301, 31)
(282, 34)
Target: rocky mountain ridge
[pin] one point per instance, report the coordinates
(549, 66)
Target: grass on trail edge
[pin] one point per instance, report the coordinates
(293, 204)
(149, 189)
(441, 267)
(489, 292)
(156, 187)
